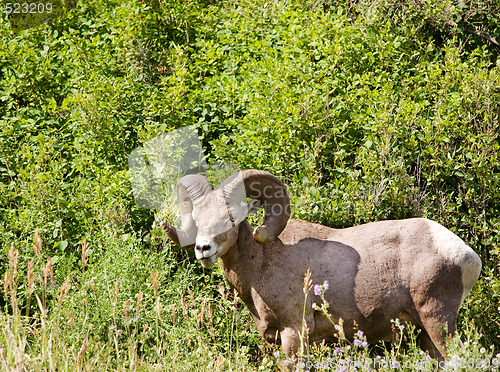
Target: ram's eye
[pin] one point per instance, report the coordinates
(231, 219)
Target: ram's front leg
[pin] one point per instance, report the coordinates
(290, 342)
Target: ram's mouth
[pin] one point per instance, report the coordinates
(207, 262)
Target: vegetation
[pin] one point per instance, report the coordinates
(367, 110)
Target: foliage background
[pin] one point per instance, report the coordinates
(367, 110)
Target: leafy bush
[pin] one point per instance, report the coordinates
(367, 110)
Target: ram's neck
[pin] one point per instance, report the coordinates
(242, 264)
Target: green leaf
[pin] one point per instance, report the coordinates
(63, 245)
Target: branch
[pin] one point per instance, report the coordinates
(483, 35)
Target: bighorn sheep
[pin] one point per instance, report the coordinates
(415, 269)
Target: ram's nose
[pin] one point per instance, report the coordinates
(203, 250)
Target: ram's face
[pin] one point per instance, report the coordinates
(217, 223)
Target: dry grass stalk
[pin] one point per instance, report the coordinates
(64, 291)
(31, 284)
(7, 283)
(37, 247)
(199, 318)
(307, 282)
(85, 258)
(154, 280)
(13, 259)
(304, 335)
(117, 289)
(81, 353)
(139, 299)
(211, 321)
(236, 298)
(173, 315)
(222, 292)
(126, 309)
(191, 297)
(48, 271)
(184, 309)
(31, 277)
(158, 307)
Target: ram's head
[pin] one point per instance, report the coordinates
(211, 218)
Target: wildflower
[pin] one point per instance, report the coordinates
(337, 327)
(314, 305)
(276, 354)
(498, 356)
(337, 351)
(482, 350)
(301, 365)
(357, 342)
(394, 364)
(348, 347)
(360, 334)
(326, 285)
(428, 357)
(364, 344)
(317, 290)
(286, 362)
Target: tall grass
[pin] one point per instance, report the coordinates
(93, 322)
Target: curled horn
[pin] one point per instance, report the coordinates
(191, 190)
(270, 192)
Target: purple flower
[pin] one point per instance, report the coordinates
(337, 351)
(337, 327)
(326, 285)
(317, 290)
(364, 344)
(276, 354)
(360, 334)
(357, 342)
(394, 364)
(286, 362)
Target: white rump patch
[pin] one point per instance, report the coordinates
(456, 251)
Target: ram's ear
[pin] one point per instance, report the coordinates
(253, 206)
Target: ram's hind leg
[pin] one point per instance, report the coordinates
(434, 334)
